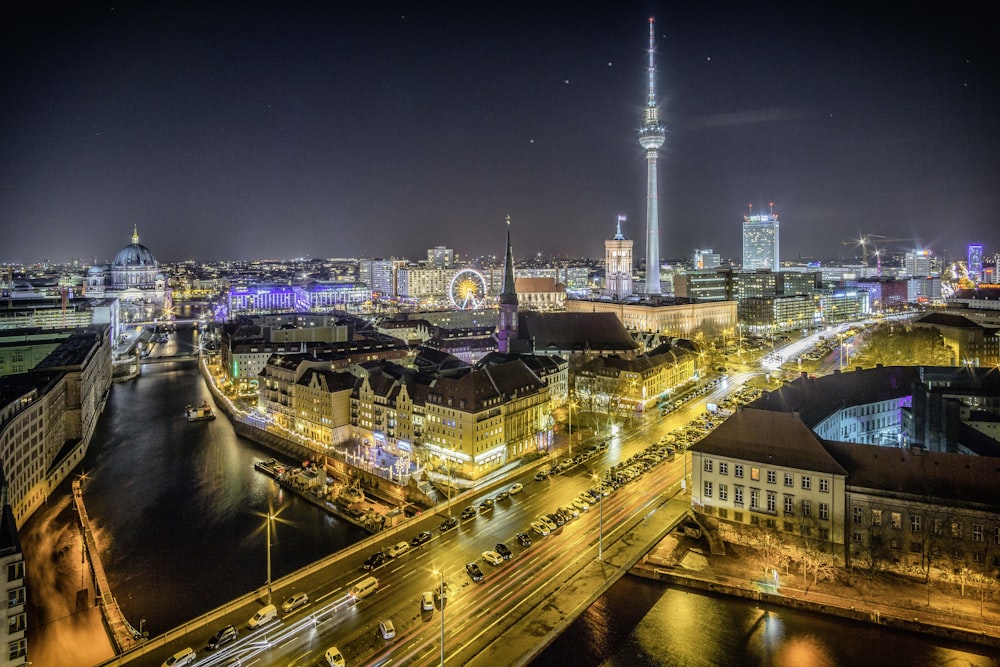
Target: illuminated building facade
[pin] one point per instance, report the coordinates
(917, 264)
(760, 242)
(618, 265)
(975, 263)
(258, 299)
(705, 259)
(135, 279)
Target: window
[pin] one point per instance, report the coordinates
(896, 520)
(708, 465)
(772, 501)
(708, 490)
(738, 516)
(915, 523)
(755, 473)
(723, 513)
(977, 533)
(915, 547)
(15, 596)
(938, 526)
(738, 495)
(723, 468)
(824, 534)
(15, 570)
(754, 499)
(977, 557)
(18, 649)
(807, 531)
(856, 537)
(876, 517)
(789, 480)
(789, 527)
(789, 505)
(806, 508)
(824, 511)
(956, 529)
(723, 492)
(858, 515)
(824, 486)
(16, 623)
(738, 470)
(996, 535)
(806, 482)
(894, 543)
(772, 477)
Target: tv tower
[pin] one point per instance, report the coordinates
(651, 137)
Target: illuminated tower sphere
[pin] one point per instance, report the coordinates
(618, 265)
(651, 137)
(507, 317)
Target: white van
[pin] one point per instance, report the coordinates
(266, 614)
(363, 588)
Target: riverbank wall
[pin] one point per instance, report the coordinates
(818, 603)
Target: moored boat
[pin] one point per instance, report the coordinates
(202, 412)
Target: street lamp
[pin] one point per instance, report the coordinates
(440, 574)
(270, 518)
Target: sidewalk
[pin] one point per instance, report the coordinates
(887, 599)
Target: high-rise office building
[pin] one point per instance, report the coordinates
(760, 241)
(618, 264)
(917, 264)
(440, 257)
(651, 137)
(975, 265)
(705, 259)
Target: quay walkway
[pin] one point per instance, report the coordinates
(121, 632)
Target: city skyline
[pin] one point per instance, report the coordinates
(379, 131)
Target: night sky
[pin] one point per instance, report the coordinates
(338, 129)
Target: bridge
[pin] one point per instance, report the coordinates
(521, 607)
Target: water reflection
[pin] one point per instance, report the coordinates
(642, 623)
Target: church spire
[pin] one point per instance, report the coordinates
(507, 314)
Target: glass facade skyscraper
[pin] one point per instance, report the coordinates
(760, 242)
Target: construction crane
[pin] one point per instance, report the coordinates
(871, 240)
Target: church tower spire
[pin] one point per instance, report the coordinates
(507, 315)
(135, 235)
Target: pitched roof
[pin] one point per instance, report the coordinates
(575, 332)
(772, 438)
(929, 475)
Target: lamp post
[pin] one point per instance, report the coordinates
(570, 405)
(270, 518)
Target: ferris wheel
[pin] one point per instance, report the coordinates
(467, 290)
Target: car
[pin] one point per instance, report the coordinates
(427, 601)
(515, 488)
(503, 550)
(397, 549)
(420, 538)
(540, 528)
(581, 504)
(448, 524)
(387, 629)
(557, 519)
(182, 657)
(374, 561)
(294, 601)
(541, 475)
(223, 637)
(334, 657)
(524, 539)
(492, 557)
(474, 572)
(486, 505)
(570, 512)
(442, 593)
(469, 512)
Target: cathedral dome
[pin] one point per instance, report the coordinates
(134, 254)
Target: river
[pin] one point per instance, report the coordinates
(179, 513)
